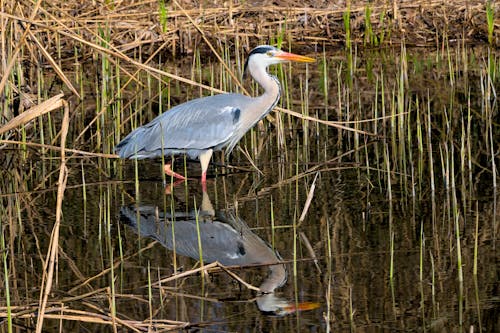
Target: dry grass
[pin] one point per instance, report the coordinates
(54, 30)
(63, 34)
(137, 25)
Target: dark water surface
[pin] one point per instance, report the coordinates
(387, 243)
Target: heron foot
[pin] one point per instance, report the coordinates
(168, 170)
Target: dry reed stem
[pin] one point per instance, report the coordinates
(13, 59)
(309, 198)
(48, 272)
(321, 167)
(335, 124)
(54, 65)
(214, 51)
(107, 270)
(50, 147)
(187, 273)
(250, 160)
(237, 278)
(307, 22)
(204, 269)
(49, 105)
(310, 249)
(96, 318)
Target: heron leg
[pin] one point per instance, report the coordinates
(168, 170)
(204, 161)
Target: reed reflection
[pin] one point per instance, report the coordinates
(225, 238)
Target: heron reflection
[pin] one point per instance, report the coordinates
(225, 238)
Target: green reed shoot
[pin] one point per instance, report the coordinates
(346, 16)
(356, 138)
(429, 143)
(305, 123)
(280, 36)
(163, 15)
(391, 265)
(105, 74)
(329, 272)
(137, 200)
(410, 149)
(80, 81)
(150, 294)
(370, 37)
(463, 166)
(433, 284)
(476, 235)
(324, 74)
(351, 312)
(492, 150)
(198, 233)
(383, 25)
(457, 234)
(4, 252)
(106, 204)
(272, 225)
(120, 248)
(295, 238)
(420, 141)
(422, 251)
(490, 19)
(173, 221)
(324, 84)
(117, 107)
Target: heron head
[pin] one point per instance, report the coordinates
(266, 55)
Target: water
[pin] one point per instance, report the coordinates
(378, 248)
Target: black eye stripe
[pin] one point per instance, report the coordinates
(261, 49)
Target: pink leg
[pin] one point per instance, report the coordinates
(204, 160)
(168, 170)
(204, 181)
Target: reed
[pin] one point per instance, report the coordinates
(163, 15)
(490, 20)
(423, 124)
(273, 227)
(351, 313)
(433, 285)
(346, 16)
(198, 235)
(150, 296)
(370, 37)
(4, 251)
(105, 203)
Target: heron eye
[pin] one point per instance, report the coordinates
(270, 53)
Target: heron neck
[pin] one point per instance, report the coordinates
(271, 86)
(269, 83)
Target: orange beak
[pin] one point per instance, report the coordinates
(305, 306)
(293, 57)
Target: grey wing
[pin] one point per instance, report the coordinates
(195, 125)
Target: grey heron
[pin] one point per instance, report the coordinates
(201, 126)
(220, 236)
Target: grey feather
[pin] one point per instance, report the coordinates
(190, 128)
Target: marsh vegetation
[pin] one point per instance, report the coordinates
(375, 179)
